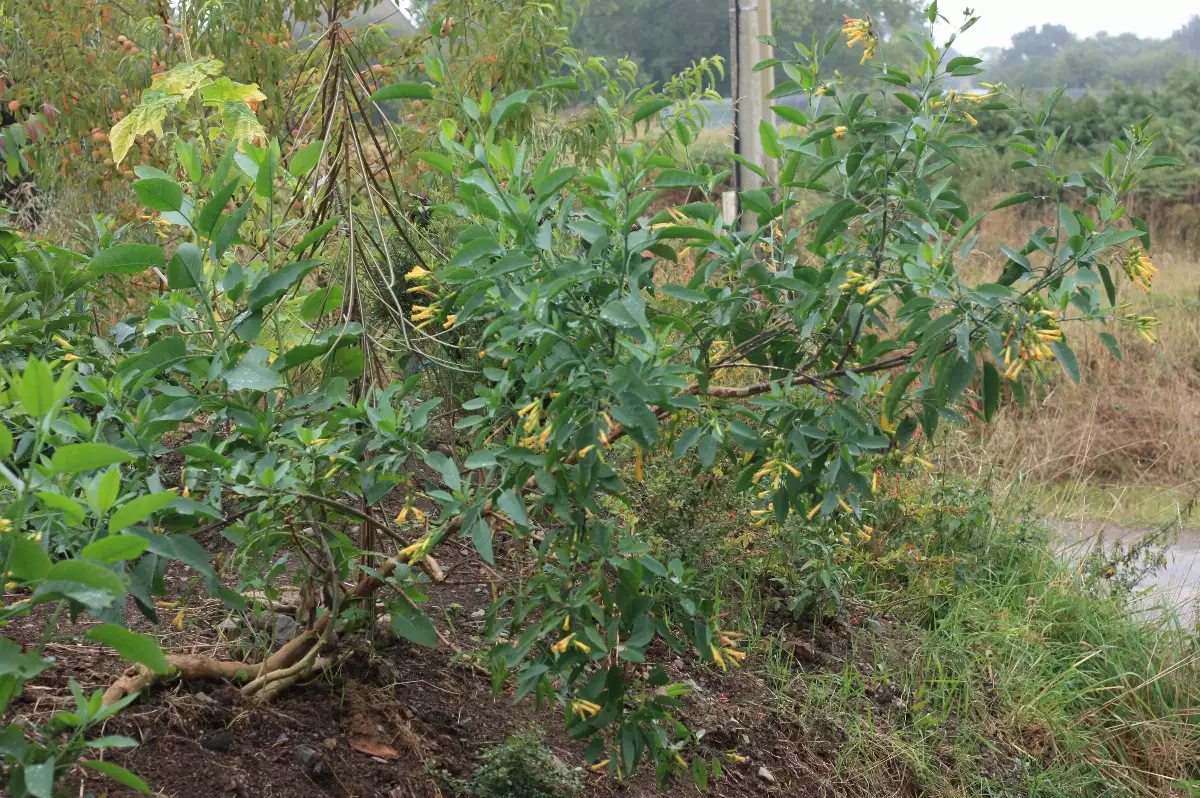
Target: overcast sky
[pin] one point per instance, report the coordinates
(1002, 18)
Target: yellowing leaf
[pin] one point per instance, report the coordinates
(184, 79)
(241, 124)
(223, 89)
(146, 118)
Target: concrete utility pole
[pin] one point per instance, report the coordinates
(748, 19)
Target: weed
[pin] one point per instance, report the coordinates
(522, 767)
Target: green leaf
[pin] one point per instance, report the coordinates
(115, 548)
(403, 91)
(210, 215)
(159, 194)
(896, 393)
(113, 741)
(1160, 161)
(306, 159)
(770, 139)
(678, 178)
(550, 184)
(39, 779)
(687, 232)
(1015, 199)
(222, 89)
(1110, 341)
(138, 510)
(37, 389)
(410, 623)
(790, 114)
(252, 375)
(27, 561)
(437, 160)
(316, 235)
(834, 215)
(6, 441)
(279, 282)
(648, 109)
(72, 510)
(991, 391)
(320, 302)
(186, 268)
(127, 259)
(446, 467)
(1067, 358)
(130, 645)
(481, 536)
(513, 506)
(86, 582)
(510, 105)
(76, 457)
(118, 774)
(686, 294)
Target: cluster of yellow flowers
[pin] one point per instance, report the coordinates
(1138, 267)
(862, 285)
(861, 30)
(1033, 342)
(424, 314)
(726, 648)
(1145, 326)
(532, 413)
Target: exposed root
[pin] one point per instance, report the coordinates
(192, 666)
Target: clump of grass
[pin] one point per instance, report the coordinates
(1008, 674)
(522, 766)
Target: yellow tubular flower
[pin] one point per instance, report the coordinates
(839, 131)
(561, 646)
(416, 274)
(813, 512)
(845, 506)
(402, 516)
(582, 453)
(449, 321)
(717, 658)
(585, 709)
(599, 766)
(63, 342)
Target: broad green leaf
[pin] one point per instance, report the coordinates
(403, 91)
(677, 178)
(127, 259)
(481, 537)
(27, 561)
(6, 441)
(279, 282)
(72, 510)
(37, 389)
(130, 645)
(306, 159)
(316, 235)
(320, 302)
(117, 774)
(86, 582)
(210, 215)
(138, 510)
(186, 268)
(76, 457)
(158, 194)
(1066, 357)
(991, 391)
(115, 548)
(39, 779)
(648, 109)
(411, 624)
(513, 506)
(510, 105)
(252, 375)
(1015, 199)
